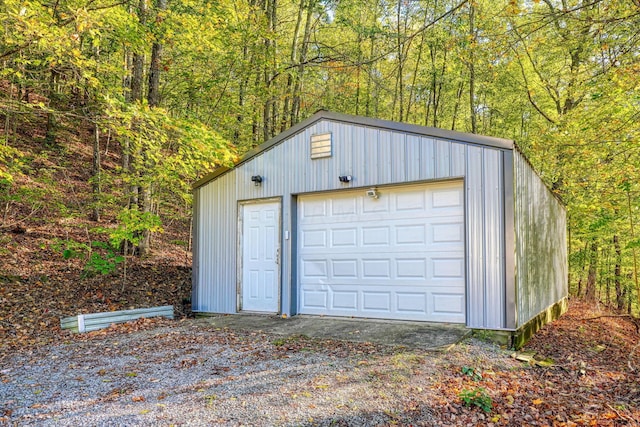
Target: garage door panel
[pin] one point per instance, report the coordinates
(379, 302)
(373, 207)
(376, 269)
(447, 268)
(411, 201)
(375, 236)
(343, 207)
(404, 303)
(344, 269)
(344, 237)
(447, 232)
(314, 208)
(447, 198)
(447, 303)
(412, 303)
(411, 268)
(410, 234)
(438, 234)
(345, 300)
(315, 300)
(314, 239)
(398, 266)
(315, 268)
(400, 256)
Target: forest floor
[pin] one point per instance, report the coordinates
(47, 237)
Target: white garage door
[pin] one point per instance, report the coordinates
(400, 256)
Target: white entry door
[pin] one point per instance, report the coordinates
(397, 256)
(260, 256)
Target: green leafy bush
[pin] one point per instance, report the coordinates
(103, 261)
(477, 397)
(71, 249)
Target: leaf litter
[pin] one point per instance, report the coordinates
(187, 372)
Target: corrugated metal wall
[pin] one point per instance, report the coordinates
(540, 243)
(373, 156)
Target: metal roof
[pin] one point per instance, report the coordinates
(464, 137)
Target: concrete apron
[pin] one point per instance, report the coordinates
(420, 335)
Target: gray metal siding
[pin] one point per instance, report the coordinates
(195, 265)
(373, 157)
(215, 256)
(540, 238)
(475, 231)
(493, 239)
(485, 245)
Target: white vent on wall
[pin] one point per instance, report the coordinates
(321, 145)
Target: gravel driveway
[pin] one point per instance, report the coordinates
(192, 373)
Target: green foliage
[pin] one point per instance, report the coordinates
(477, 397)
(131, 224)
(473, 373)
(102, 261)
(99, 257)
(71, 248)
(7, 154)
(171, 152)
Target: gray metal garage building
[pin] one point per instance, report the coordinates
(350, 216)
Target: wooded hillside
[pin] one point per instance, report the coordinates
(110, 110)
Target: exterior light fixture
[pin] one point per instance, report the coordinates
(373, 193)
(344, 178)
(257, 180)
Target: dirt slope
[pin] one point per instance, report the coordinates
(47, 209)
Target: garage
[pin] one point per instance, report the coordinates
(357, 217)
(391, 253)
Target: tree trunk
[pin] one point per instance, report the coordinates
(269, 70)
(367, 99)
(50, 136)
(583, 263)
(136, 89)
(398, 96)
(153, 96)
(297, 88)
(472, 69)
(617, 274)
(95, 173)
(590, 292)
(417, 65)
(153, 99)
(633, 249)
(605, 276)
(457, 105)
(137, 73)
(293, 58)
(126, 86)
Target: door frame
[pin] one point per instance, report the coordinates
(239, 248)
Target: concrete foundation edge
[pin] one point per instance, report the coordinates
(525, 332)
(518, 338)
